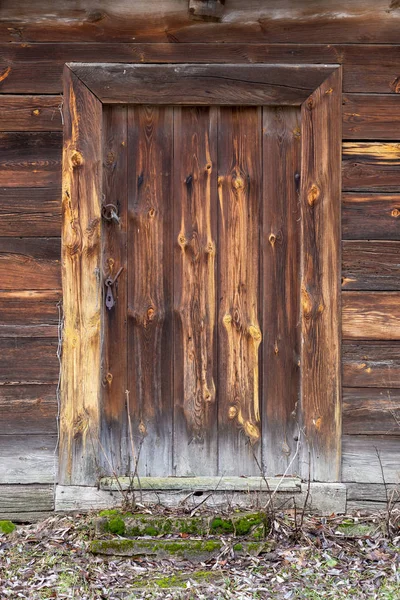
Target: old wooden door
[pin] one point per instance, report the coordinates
(216, 194)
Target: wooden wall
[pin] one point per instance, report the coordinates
(36, 40)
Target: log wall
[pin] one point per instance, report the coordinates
(36, 41)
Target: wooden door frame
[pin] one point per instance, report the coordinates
(317, 90)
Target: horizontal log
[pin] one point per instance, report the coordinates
(30, 212)
(170, 21)
(30, 113)
(27, 458)
(371, 315)
(201, 84)
(371, 116)
(37, 68)
(370, 216)
(364, 457)
(371, 265)
(30, 263)
(371, 411)
(26, 503)
(371, 364)
(28, 409)
(244, 484)
(29, 313)
(370, 492)
(371, 166)
(30, 159)
(28, 360)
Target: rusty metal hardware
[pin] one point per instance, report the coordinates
(109, 283)
(109, 212)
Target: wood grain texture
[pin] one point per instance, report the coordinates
(371, 166)
(30, 113)
(170, 21)
(30, 263)
(26, 503)
(280, 245)
(371, 116)
(28, 360)
(27, 458)
(370, 265)
(28, 409)
(361, 456)
(82, 284)
(30, 159)
(30, 212)
(320, 284)
(114, 434)
(29, 313)
(201, 84)
(239, 331)
(373, 411)
(370, 216)
(371, 364)
(195, 241)
(371, 315)
(150, 354)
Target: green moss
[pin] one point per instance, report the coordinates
(356, 529)
(245, 523)
(221, 526)
(172, 581)
(7, 527)
(150, 530)
(109, 513)
(136, 547)
(238, 547)
(116, 525)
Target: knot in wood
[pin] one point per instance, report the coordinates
(329, 91)
(182, 241)
(227, 319)
(313, 194)
(395, 85)
(232, 412)
(272, 239)
(395, 212)
(252, 431)
(317, 423)
(76, 159)
(237, 182)
(109, 378)
(152, 213)
(36, 112)
(142, 428)
(310, 103)
(150, 313)
(255, 333)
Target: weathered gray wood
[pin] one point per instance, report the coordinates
(30, 113)
(201, 84)
(245, 484)
(360, 463)
(30, 212)
(371, 364)
(26, 503)
(371, 265)
(27, 458)
(370, 492)
(371, 411)
(28, 409)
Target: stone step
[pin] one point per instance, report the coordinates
(253, 526)
(184, 549)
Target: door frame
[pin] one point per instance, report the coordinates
(317, 90)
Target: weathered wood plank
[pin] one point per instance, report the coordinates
(239, 332)
(371, 116)
(27, 458)
(30, 159)
(280, 289)
(370, 216)
(82, 284)
(30, 212)
(203, 84)
(371, 364)
(371, 315)
(28, 409)
(28, 360)
(205, 484)
(150, 202)
(29, 313)
(195, 240)
(376, 22)
(30, 263)
(371, 411)
(320, 283)
(369, 492)
(371, 166)
(30, 113)
(361, 454)
(371, 265)
(114, 348)
(26, 503)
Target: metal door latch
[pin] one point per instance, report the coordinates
(110, 213)
(109, 283)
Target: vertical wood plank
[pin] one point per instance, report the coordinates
(82, 286)
(280, 289)
(320, 284)
(239, 332)
(114, 353)
(149, 285)
(195, 222)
